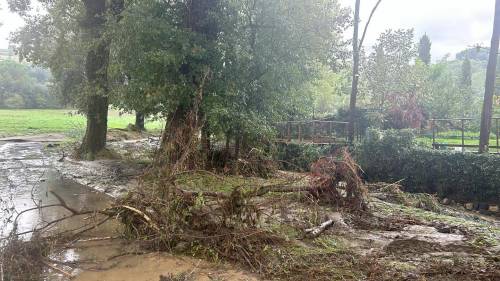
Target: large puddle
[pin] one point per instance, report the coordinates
(27, 182)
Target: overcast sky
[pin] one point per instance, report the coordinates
(452, 25)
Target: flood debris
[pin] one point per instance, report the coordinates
(323, 225)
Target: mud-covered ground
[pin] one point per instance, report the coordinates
(402, 237)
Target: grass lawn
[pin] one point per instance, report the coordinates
(427, 142)
(41, 121)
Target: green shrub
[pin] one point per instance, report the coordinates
(299, 157)
(464, 177)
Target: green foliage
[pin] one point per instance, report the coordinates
(54, 40)
(299, 157)
(328, 94)
(479, 54)
(424, 49)
(408, 93)
(466, 77)
(265, 55)
(392, 156)
(23, 86)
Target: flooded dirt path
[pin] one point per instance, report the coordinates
(28, 180)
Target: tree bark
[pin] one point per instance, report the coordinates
(355, 74)
(96, 72)
(206, 147)
(139, 122)
(490, 84)
(181, 136)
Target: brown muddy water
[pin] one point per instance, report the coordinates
(27, 181)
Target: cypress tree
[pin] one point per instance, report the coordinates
(424, 49)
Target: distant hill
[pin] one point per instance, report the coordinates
(479, 54)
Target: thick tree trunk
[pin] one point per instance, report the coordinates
(139, 122)
(181, 136)
(96, 72)
(355, 74)
(178, 136)
(97, 120)
(490, 84)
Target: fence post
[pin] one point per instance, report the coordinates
(433, 125)
(289, 125)
(463, 135)
(313, 131)
(300, 131)
(498, 133)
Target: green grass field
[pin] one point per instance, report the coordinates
(427, 141)
(37, 121)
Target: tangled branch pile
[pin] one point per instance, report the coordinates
(228, 225)
(22, 260)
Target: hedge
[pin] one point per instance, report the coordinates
(392, 155)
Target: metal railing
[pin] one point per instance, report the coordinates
(313, 131)
(466, 135)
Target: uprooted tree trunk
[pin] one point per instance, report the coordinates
(180, 139)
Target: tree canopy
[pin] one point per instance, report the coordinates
(23, 86)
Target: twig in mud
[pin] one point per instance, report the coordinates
(146, 217)
(316, 231)
(57, 269)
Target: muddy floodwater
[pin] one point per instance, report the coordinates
(28, 181)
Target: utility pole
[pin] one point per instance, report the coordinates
(489, 91)
(356, 49)
(355, 74)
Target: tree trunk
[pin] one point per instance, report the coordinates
(139, 122)
(355, 74)
(96, 72)
(181, 136)
(206, 147)
(490, 84)
(178, 137)
(237, 151)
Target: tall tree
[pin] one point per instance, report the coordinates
(424, 49)
(69, 38)
(489, 91)
(466, 75)
(356, 50)
(259, 55)
(97, 79)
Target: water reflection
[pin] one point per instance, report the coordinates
(26, 181)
